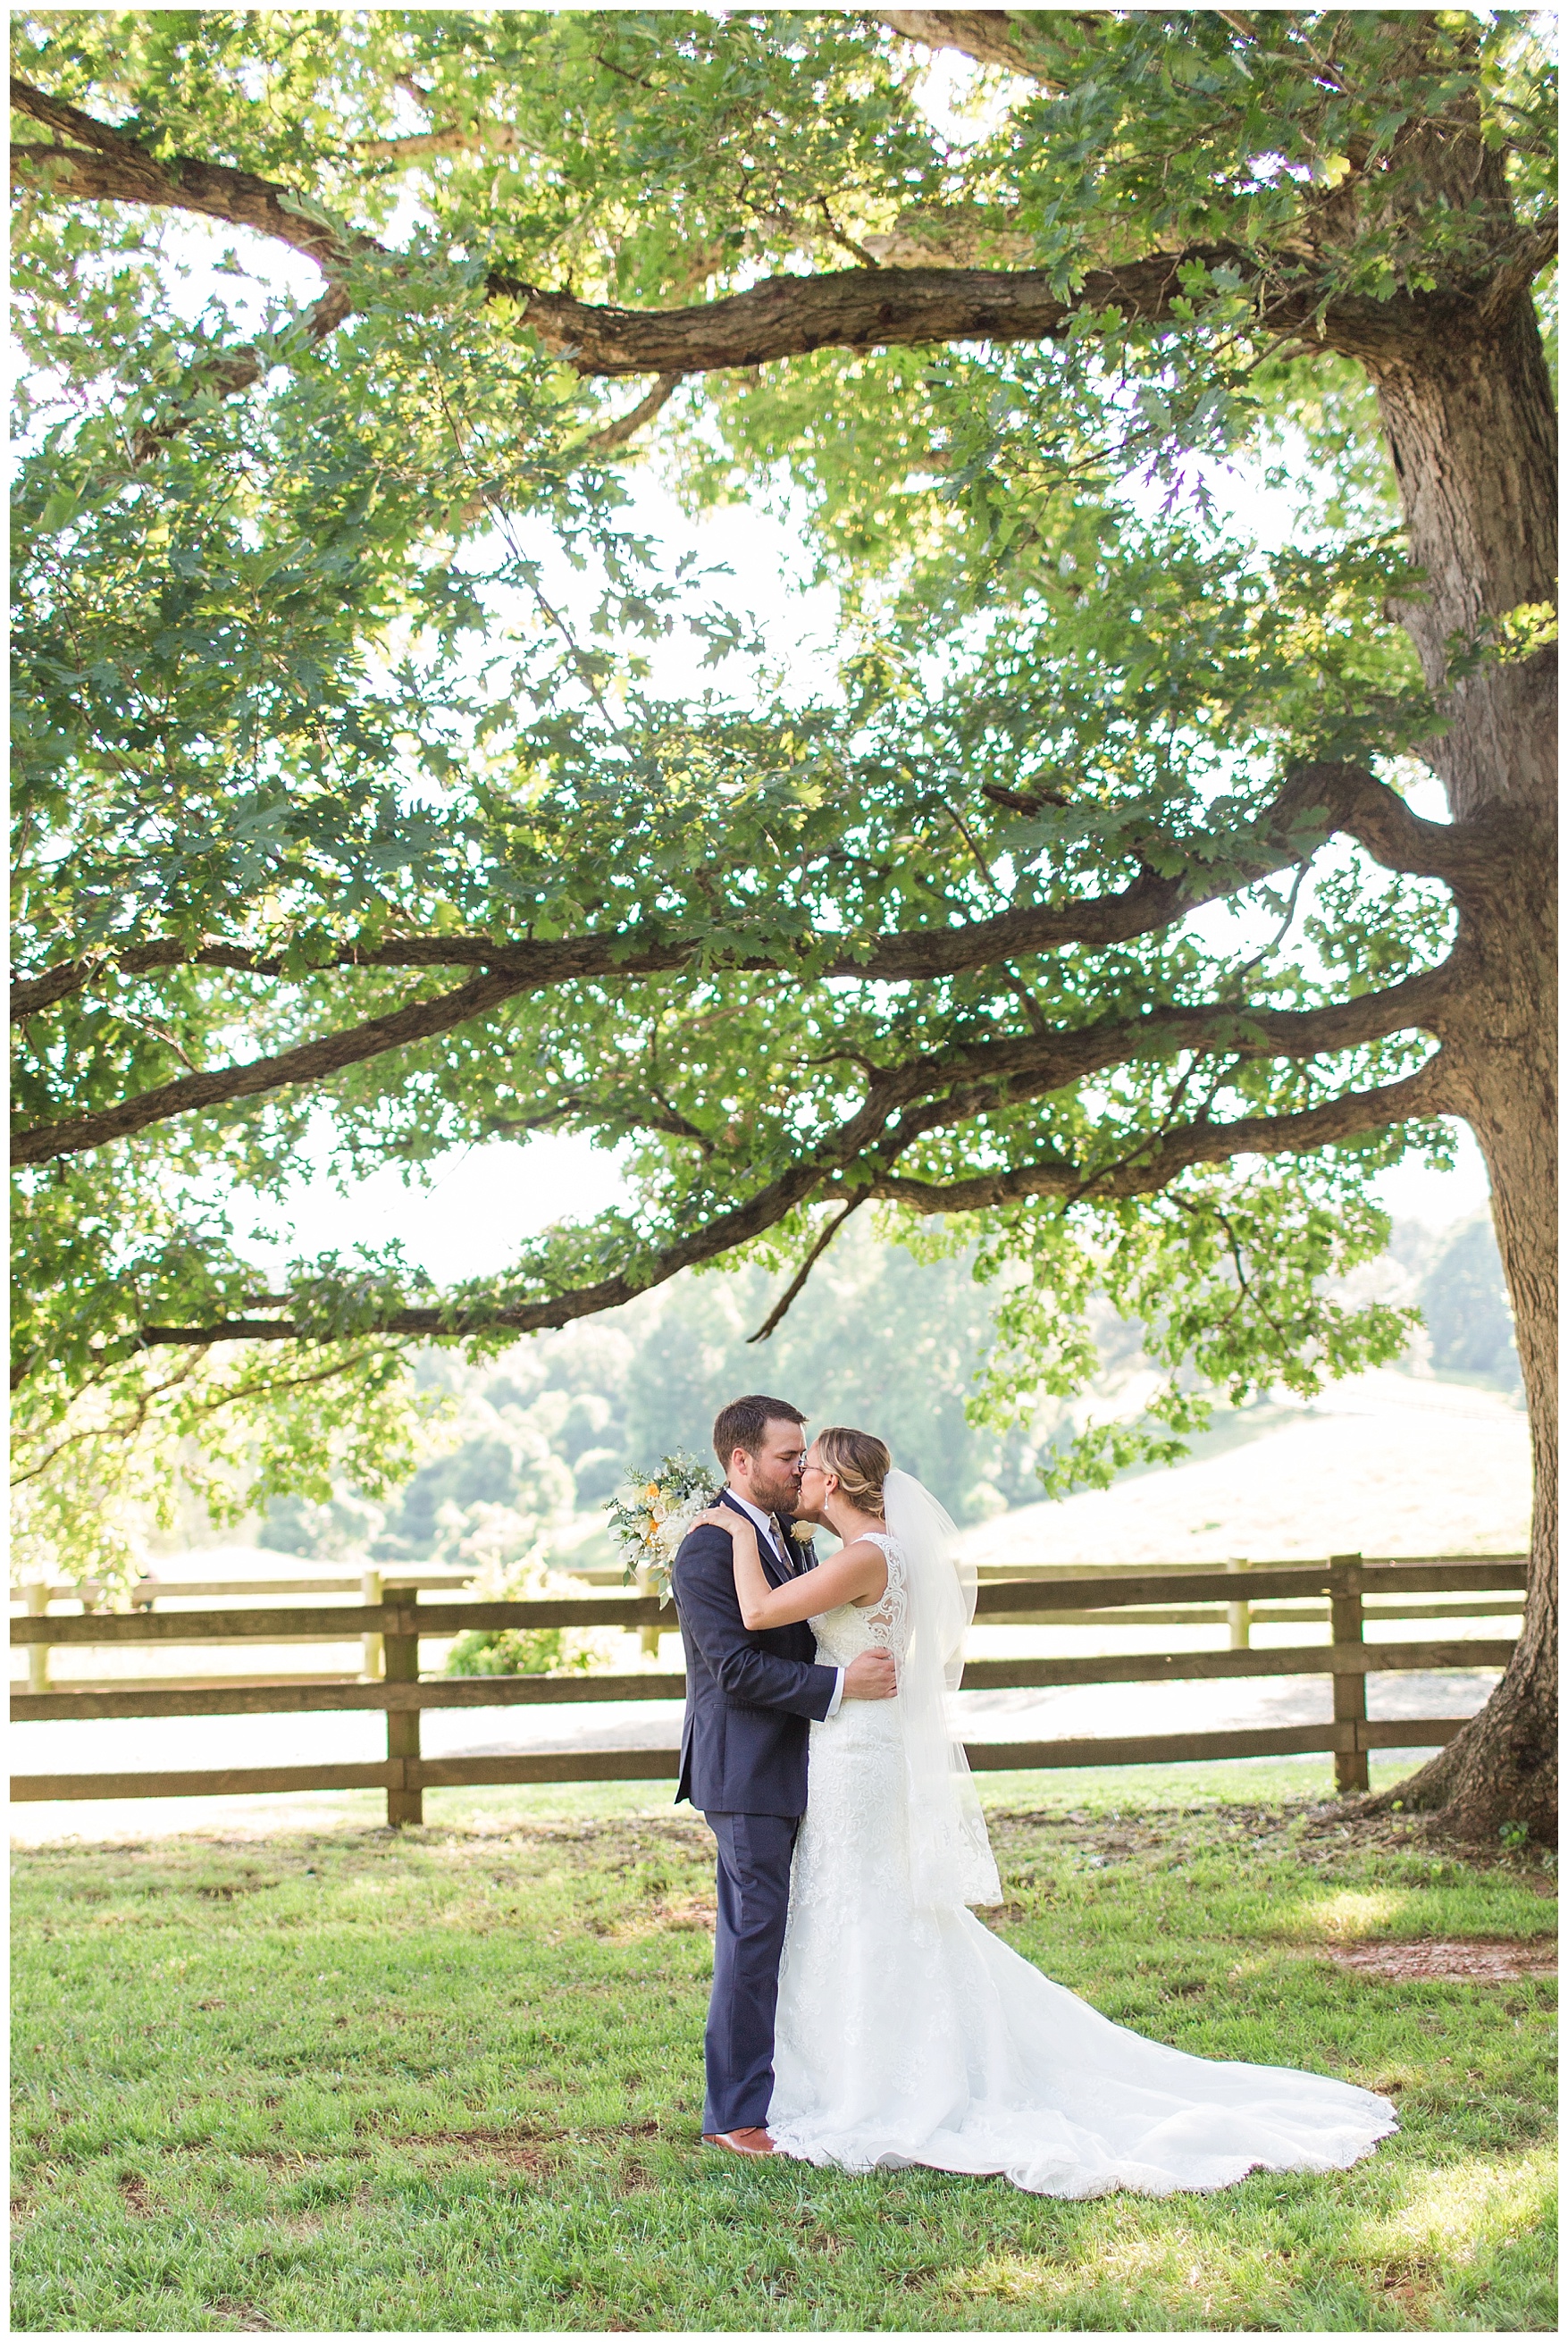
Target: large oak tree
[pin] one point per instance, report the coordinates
(1079, 912)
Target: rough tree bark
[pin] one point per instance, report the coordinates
(1468, 412)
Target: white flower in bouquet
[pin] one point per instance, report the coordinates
(651, 1517)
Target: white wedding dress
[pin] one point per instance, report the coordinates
(909, 2035)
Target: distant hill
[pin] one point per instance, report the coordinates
(879, 1339)
(1389, 1464)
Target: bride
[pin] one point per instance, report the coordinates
(907, 2032)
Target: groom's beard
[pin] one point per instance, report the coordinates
(781, 1496)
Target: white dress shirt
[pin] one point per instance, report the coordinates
(767, 1532)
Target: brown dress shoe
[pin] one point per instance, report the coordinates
(741, 2142)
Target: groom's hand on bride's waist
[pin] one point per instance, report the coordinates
(872, 1676)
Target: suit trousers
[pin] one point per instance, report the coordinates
(754, 1851)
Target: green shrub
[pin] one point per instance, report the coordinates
(520, 1651)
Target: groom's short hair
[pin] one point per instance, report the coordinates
(745, 1423)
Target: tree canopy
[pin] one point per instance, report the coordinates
(1076, 911)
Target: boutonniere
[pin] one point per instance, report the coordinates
(801, 1532)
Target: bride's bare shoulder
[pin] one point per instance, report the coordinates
(865, 1567)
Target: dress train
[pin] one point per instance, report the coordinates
(915, 2036)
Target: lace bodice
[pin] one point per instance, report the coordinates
(843, 1634)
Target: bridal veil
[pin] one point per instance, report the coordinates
(950, 1851)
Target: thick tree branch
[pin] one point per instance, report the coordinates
(825, 1174)
(1149, 902)
(311, 1061)
(938, 1090)
(1172, 1152)
(1535, 248)
(737, 1227)
(30, 994)
(851, 309)
(1347, 795)
(1353, 801)
(788, 316)
(70, 121)
(116, 168)
(989, 35)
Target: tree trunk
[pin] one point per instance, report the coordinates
(1468, 415)
(1470, 423)
(1500, 1053)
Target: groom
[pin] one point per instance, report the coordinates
(751, 1700)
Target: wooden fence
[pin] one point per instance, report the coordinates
(392, 1629)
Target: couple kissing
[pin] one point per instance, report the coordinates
(862, 2016)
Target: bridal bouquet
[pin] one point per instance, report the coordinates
(649, 1520)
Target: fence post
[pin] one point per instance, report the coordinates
(1350, 1764)
(1240, 1614)
(400, 1647)
(372, 1666)
(37, 1653)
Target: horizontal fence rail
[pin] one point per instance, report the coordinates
(394, 1627)
(412, 1775)
(530, 1691)
(148, 1590)
(348, 1581)
(1013, 1603)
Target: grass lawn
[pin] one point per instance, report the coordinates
(451, 2081)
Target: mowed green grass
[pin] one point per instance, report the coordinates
(451, 2081)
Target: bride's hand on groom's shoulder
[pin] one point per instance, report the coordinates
(719, 1516)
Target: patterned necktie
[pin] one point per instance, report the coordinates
(784, 1555)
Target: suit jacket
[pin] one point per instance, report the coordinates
(751, 1699)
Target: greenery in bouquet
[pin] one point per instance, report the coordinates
(649, 1520)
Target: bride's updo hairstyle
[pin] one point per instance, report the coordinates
(861, 1462)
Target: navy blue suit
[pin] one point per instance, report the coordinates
(751, 1700)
